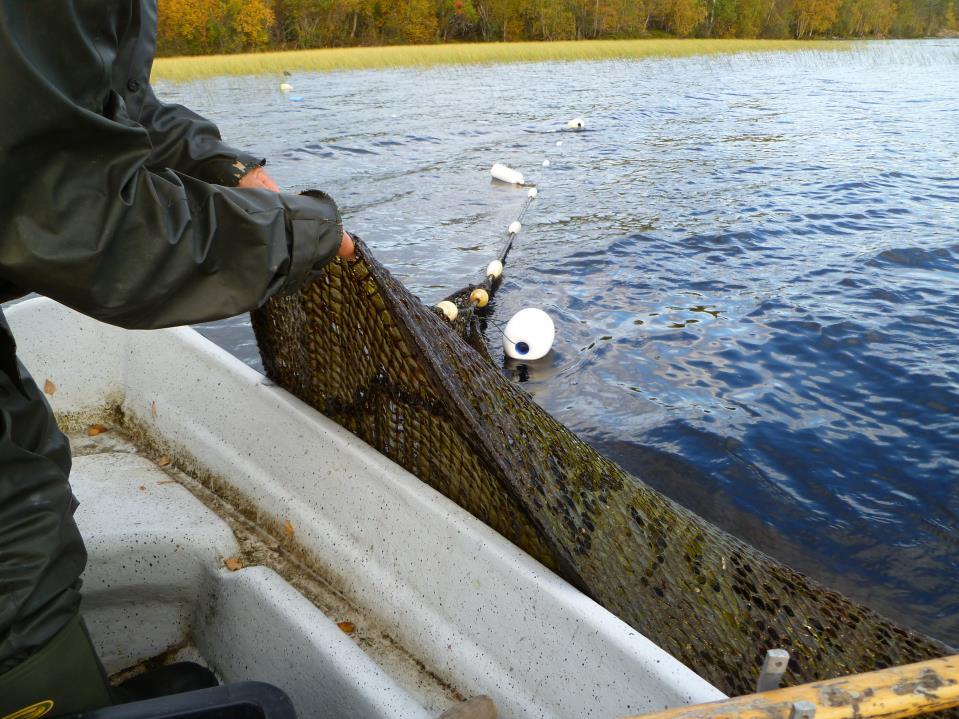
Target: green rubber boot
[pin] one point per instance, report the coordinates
(63, 677)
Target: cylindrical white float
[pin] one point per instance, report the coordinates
(514, 227)
(528, 335)
(533, 192)
(494, 269)
(506, 174)
(575, 124)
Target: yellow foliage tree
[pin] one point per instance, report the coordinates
(682, 16)
(815, 16)
(205, 26)
(252, 21)
(550, 20)
(411, 21)
(182, 25)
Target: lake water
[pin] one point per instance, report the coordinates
(752, 263)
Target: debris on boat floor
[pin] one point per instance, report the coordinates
(479, 707)
(275, 549)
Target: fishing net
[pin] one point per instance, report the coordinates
(357, 346)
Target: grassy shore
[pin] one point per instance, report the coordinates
(180, 69)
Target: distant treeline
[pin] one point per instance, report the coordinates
(223, 26)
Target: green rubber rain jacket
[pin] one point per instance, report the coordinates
(125, 209)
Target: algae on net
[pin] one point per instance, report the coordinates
(357, 346)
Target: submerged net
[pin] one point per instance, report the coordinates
(361, 349)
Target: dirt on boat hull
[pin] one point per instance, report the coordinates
(357, 346)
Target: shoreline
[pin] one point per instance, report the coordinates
(187, 68)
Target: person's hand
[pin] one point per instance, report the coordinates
(347, 248)
(259, 179)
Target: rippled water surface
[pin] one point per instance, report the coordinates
(752, 262)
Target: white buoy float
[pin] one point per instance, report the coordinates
(514, 227)
(545, 163)
(494, 269)
(575, 124)
(506, 174)
(285, 86)
(533, 192)
(449, 309)
(529, 335)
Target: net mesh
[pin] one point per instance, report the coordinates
(357, 346)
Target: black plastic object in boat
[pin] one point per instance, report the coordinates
(243, 700)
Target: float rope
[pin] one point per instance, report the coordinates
(480, 296)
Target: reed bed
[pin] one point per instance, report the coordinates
(181, 69)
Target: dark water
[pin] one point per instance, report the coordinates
(752, 262)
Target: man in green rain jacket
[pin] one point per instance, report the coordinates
(137, 214)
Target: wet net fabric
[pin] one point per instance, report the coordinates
(357, 346)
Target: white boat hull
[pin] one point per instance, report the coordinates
(477, 613)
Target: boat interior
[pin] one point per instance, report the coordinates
(230, 524)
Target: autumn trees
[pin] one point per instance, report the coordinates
(189, 27)
(219, 26)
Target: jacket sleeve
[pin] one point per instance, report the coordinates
(89, 221)
(188, 143)
(182, 140)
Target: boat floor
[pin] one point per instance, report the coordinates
(131, 496)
